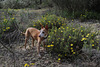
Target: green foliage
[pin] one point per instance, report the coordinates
(7, 25)
(81, 15)
(69, 40)
(17, 4)
(51, 20)
(66, 40)
(78, 9)
(89, 15)
(78, 5)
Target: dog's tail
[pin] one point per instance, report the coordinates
(22, 33)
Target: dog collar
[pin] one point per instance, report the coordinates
(46, 37)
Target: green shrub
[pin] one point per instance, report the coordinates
(78, 5)
(81, 15)
(69, 40)
(89, 15)
(7, 25)
(51, 20)
(9, 31)
(16, 4)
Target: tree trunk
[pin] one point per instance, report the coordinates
(40, 1)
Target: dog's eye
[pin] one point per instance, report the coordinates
(42, 32)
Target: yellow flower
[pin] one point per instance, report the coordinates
(34, 25)
(81, 30)
(97, 39)
(7, 28)
(13, 18)
(92, 41)
(4, 29)
(73, 52)
(49, 21)
(81, 26)
(71, 44)
(92, 44)
(63, 28)
(5, 20)
(63, 39)
(48, 45)
(59, 59)
(82, 35)
(92, 35)
(45, 18)
(32, 64)
(65, 54)
(58, 38)
(73, 30)
(59, 28)
(69, 36)
(2, 12)
(87, 35)
(62, 24)
(52, 42)
(61, 31)
(59, 54)
(48, 36)
(59, 23)
(51, 45)
(72, 20)
(26, 65)
(83, 39)
(55, 30)
(67, 27)
(38, 20)
(71, 48)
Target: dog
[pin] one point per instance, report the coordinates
(39, 35)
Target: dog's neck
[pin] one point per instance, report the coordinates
(46, 37)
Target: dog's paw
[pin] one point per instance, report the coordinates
(23, 49)
(45, 52)
(39, 55)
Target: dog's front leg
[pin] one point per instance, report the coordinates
(44, 49)
(38, 49)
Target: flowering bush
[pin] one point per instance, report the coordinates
(66, 40)
(51, 20)
(7, 25)
(69, 40)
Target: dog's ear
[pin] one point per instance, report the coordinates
(46, 27)
(41, 25)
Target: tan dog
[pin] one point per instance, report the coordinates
(39, 35)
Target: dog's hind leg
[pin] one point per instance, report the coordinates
(38, 48)
(33, 41)
(27, 35)
(26, 39)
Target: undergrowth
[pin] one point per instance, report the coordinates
(67, 40)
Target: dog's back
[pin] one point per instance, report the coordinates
(32, 32)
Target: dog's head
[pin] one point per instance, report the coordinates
(43, 31)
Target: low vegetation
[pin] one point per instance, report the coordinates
(67, 39)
